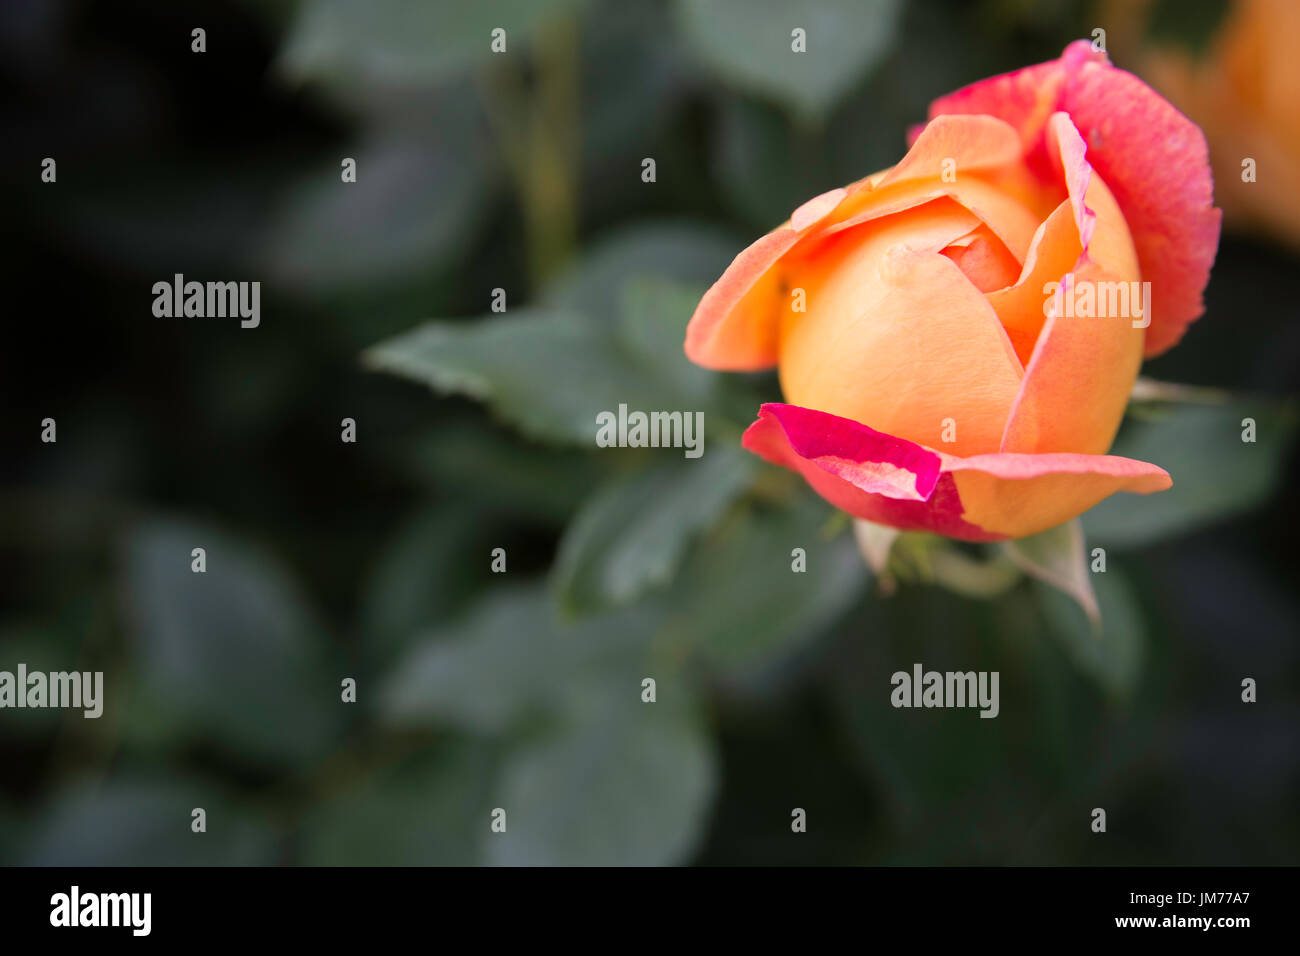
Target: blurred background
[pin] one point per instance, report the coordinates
(372, 560)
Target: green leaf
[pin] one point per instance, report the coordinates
(930, 767)
(652, 327)
(146, 822)
(1216, 474)
(422, 576)
(234, 648)
(429, 810)
(1058, 557)
(508, 659)
(739, 602)
(749, 43)
(548, 373)
(45, 646)
(629, 786)
(551, 372)
(632, 535)
(1111, 655)
(403, 42)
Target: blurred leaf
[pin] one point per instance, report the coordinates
(45, 646)
(632, 535)
(429, 810)
(630, 786)
(1057, 557)
(934, 769)
(139, 822)
(414, 203)
(1152, 392)
(1216, 475)
(749, 43)
(1112, 654)
(596, 776)
(234, 647)
(550, 372)
(684, 252)
(155, 724)
(402, 42)
(421, 576)
(652, 324)
(740, 604)
(508, 658)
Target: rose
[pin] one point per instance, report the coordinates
(938, 379)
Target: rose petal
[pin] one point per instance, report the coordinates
(1019, 495)
(1152, 157)
(735, 326)
(1078, 379)
(1010, 219)
(1156, 163)
(985, 260)
(1054, 252)
(897, 337)
(956, 145)
(884, 479)
(1024, 98)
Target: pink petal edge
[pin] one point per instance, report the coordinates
(1153, 158)
(889, 480)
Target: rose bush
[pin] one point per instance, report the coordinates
(934, 382)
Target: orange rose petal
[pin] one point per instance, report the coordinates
(735, 325)
(1077, 382)
(956, 146)
(985, 260)
(893, 331)
(1054, 252)
(1010, 219)
(1018, 495)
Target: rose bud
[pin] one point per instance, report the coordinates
(958, 336)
